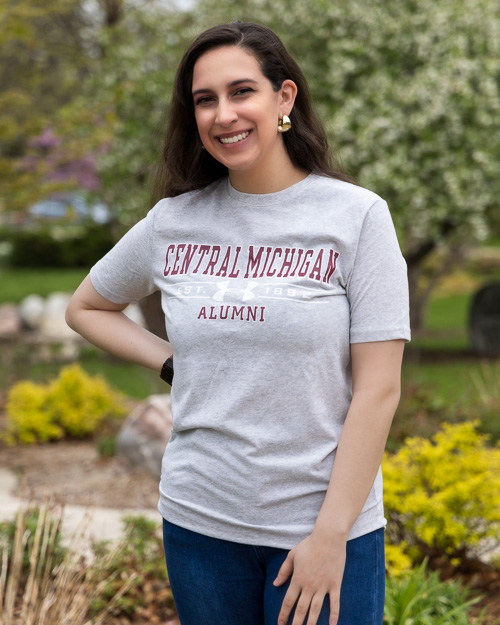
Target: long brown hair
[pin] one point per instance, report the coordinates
(184, 166)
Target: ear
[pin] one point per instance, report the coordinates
(288, 93)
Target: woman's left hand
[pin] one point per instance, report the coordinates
(316, 565)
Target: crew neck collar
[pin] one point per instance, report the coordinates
(258, 199)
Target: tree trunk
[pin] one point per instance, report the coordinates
(418, 300)
(113, 10)
(415, 259)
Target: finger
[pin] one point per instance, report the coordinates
(315, 608)
(289, 601)
(334, 607)
(285, 570)
(299, 618)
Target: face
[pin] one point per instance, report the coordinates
(237, 110)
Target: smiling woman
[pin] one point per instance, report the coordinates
(286, 305)
(185, 166)
(236, 112)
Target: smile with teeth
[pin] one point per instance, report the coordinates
(234, 139)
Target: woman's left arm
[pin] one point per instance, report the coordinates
(317, 563)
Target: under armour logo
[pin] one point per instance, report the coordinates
(247, 292)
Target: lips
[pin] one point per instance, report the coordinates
(234, 138)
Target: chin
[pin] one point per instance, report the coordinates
(232, 166)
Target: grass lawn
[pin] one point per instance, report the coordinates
(15, 284)
(449, 313)
(446, 326)
(449, 380)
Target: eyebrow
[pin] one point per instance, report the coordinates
(231, 84)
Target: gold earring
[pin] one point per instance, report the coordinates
(284, 124)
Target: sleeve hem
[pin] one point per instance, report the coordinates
(381, 335)
(106, 293)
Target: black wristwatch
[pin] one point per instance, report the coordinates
(167, 370)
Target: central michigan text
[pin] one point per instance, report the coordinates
(257, 262)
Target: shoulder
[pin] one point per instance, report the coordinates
(344, 204)
(346, 193)
(192, 198)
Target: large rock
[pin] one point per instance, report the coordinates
(53, 325)
(134, 313)
(145, 434)
(31, 311)
(10, 323)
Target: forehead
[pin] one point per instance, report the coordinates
(223, 65)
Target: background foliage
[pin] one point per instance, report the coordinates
(44, 57)
(409, 92)
(57, 246)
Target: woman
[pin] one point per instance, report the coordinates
(285, 301)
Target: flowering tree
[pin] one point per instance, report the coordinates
(43, 59)
(118, 115)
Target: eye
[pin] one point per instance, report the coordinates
(243, 91)
(206, 99)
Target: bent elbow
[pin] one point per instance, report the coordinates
(68, 319)
(69, 316)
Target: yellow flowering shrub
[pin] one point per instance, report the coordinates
(442, 496)
(397, 561)
(28, 416)
(74, 404)
(79, 402)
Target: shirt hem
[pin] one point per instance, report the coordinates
(261, 537)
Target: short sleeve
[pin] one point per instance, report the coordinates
(377, 288)
(124, 275)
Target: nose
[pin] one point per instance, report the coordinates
(226, 113)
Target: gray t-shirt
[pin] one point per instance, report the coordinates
(262, 295)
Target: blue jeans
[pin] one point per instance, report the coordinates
(218, 582)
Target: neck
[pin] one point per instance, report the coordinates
(267, 180)
(265, 184)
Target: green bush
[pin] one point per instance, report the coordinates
(57, 246)
(420, 598)
(74, 404)
(106, 446)
(442, 496)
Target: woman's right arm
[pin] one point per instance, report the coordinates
(105, 325)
